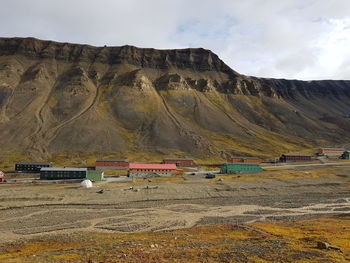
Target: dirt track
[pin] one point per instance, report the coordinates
(31, 210)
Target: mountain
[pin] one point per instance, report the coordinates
(69, 98)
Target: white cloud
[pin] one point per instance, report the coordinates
(305, 39)
(335, 49)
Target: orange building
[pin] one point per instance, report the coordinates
(151, 169)
(331, 151)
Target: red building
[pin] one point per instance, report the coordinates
(295, 158)
(2, 177)
(244, 160)
(180, 162)
(151, 169)
(111, 164)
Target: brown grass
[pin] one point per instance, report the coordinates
(291, 241)
(280, 175)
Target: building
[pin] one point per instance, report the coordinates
(58, 173)
(151, 170)
(295, 158)
(94, 175)
(180, 162)
(332, 152)
(244, 160)
(229, 168)
(2, 177)
(111, 164)
(345, 155)
(30, 167)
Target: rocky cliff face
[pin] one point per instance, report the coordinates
(61, 97)
(194, 59)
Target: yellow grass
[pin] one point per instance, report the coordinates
(335, 231)
(284, 241)
(280, 175)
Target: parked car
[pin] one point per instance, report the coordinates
(210, 176)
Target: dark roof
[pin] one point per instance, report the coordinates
(296, 154)
(63, 169)
(244, 163)
(112, 160)
(178, 159)
(34, 163)
(242, 157)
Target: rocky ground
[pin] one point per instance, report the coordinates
(30, 210)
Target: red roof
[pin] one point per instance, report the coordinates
(154, 166)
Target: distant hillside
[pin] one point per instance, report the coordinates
(61, 97)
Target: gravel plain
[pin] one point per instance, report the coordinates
(29, 210)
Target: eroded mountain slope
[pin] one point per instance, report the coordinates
(60, 97)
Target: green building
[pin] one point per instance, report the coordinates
(345, 155)
(229, 168)
(94, 175)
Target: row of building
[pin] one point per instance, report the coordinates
(326, 152)
(111, 164)
(47, 172)
(168, 167)
(252, 164)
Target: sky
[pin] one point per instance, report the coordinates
(293, 39)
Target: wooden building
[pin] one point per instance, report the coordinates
(332, 152)
(30, 167)
(240, 167)
(244, 160)
(151, 170)
(111, 164)
(180, 162)
(295, 158)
